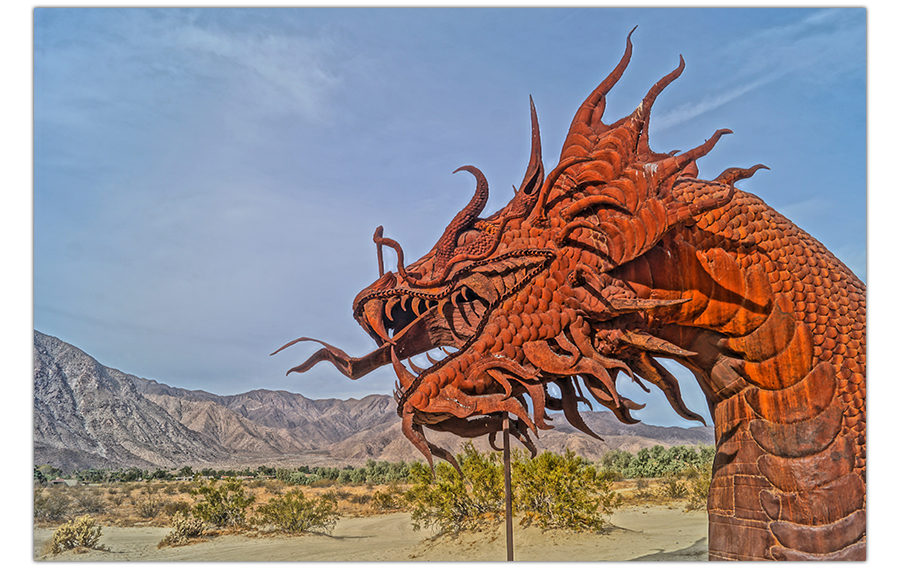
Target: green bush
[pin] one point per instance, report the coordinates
(446, 502)
(225, 505)
(562, 491)
(80, 532)
(551, 490)
(295, 513)
(184, 528)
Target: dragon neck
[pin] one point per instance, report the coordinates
(778, 327)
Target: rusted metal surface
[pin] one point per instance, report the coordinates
(617, 257)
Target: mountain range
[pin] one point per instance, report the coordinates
(87, 415)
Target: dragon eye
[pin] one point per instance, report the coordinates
(467, 237)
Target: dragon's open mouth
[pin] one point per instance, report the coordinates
(433, 326)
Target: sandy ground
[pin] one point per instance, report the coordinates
(636, 533)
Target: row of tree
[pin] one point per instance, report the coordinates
(657, 461)
(650, 462)
(374, 472)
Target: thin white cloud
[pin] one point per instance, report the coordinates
(684, 113)
(812, 51)
(274, 74)
(143, 59)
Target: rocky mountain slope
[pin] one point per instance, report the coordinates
(89, 415)
(86, 414)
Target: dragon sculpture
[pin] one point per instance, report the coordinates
(617, 257)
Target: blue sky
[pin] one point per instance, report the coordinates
(207, 182)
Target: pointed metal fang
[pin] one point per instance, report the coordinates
(414, 367)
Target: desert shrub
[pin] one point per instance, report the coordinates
(698, 486)
(177, 507)
(51, 505)
(449, 503)
(184, 528)
(360, 499)
(296, 513)
(554, 491)
(225, 505)
(389, 499)
(80, 532)
(642, 490)
(88, 502)
(672, 488)
(562, 491)
(337, 495)
(149, 507)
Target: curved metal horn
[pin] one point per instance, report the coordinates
(447, 243)
(641, 115)
(590, 113)
(534, 175)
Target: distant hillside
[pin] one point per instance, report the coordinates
(88, 415)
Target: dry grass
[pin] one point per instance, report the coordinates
(644, 492)
(125, 504)
(135, 504)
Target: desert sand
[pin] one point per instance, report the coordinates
(634, 533)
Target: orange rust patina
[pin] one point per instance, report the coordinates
(617, 257)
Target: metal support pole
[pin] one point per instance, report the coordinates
(507, 485)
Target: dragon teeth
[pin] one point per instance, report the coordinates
(389, 307)
(413, 366)
(373, 311)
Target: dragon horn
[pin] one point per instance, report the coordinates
(641, 115)
(478, 201)
(534, 176)
(447, 243)
(591, 110)
(674, 164)
(732, 175)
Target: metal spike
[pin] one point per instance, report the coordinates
(654, 344)
(641, 304)
(389, 307)
(414, 367)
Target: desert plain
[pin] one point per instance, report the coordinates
(642, 532)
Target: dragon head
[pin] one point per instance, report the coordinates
(506, 305)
